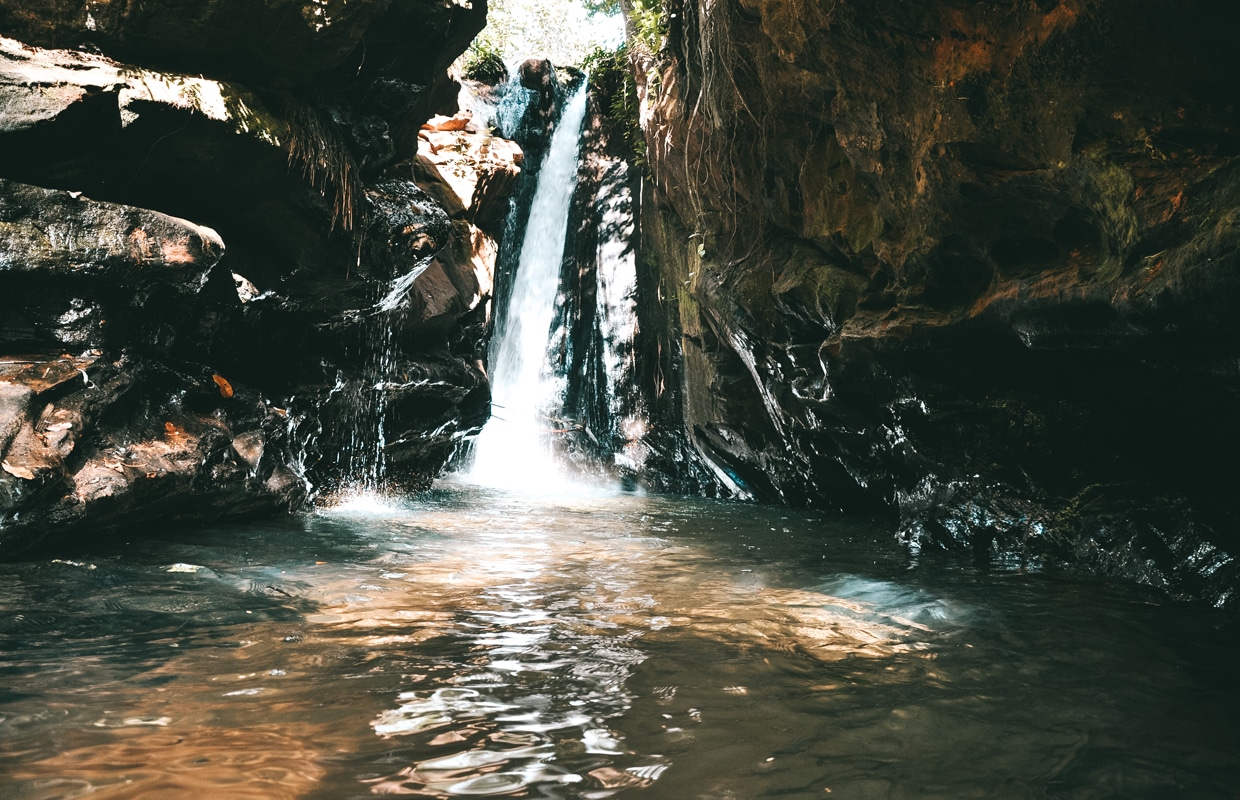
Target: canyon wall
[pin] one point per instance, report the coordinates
(235, 272)
(970, 263)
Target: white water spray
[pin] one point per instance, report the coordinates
(512, 451)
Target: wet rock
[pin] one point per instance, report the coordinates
(958, 267)
(65, 234)
(14, 407)
(406, 226)
(249, 447)
(97, 445)
(208, 383)
(471, 174)
(538, 75)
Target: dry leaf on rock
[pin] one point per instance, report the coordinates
(18, 472)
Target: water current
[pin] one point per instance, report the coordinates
(474, 643)
(512, 449)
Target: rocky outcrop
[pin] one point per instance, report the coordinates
(974, 263)
(378, 66)
(609, 295)
(317, 323)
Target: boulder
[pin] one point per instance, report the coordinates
(471, 174)
(90, 445)
(263, 41)
(39, 85)
(222, 383)
(66, 234)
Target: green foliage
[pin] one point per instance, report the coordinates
(605, 7)
(649, 20)
(615, 90)
(483, 62)
(561, 30)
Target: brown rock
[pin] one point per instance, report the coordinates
(440, 122)
(249, 447)
(471, 174)
(947, 258)
(282, 40)
(64, 233)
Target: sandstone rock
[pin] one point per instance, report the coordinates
(225, 388)
(947, 259)
(441, 122)
(37, 86)
(249, 447)
(14, 410)
(67, 234)
(281, 40)
(471, 174)
(117, 450)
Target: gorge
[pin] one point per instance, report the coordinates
(800, 397)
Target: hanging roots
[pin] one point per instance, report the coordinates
(316, 144)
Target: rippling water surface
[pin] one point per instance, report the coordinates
(474, 644)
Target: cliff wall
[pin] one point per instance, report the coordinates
(972, 263)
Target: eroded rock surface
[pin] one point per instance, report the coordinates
(154, 367)
(972, 262)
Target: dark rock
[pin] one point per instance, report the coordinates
(962, 262)
(538, 75)
(67, 235)
(406, 226)
(278, 41)
(213, 383)
(108, 444)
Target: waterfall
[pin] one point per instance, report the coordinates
(513, 450)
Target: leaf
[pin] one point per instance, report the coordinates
(18, 472)
(226, 390)
(174, 434)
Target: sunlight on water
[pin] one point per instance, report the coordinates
(363, 503)
(475, 643)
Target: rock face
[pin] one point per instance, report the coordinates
(317, 323)
(974, 263)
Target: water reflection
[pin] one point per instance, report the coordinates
(475, 644)
(549, 612)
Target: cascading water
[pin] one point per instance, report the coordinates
(513, 451)
(365, 398)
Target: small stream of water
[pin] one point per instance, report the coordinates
(474, 643)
